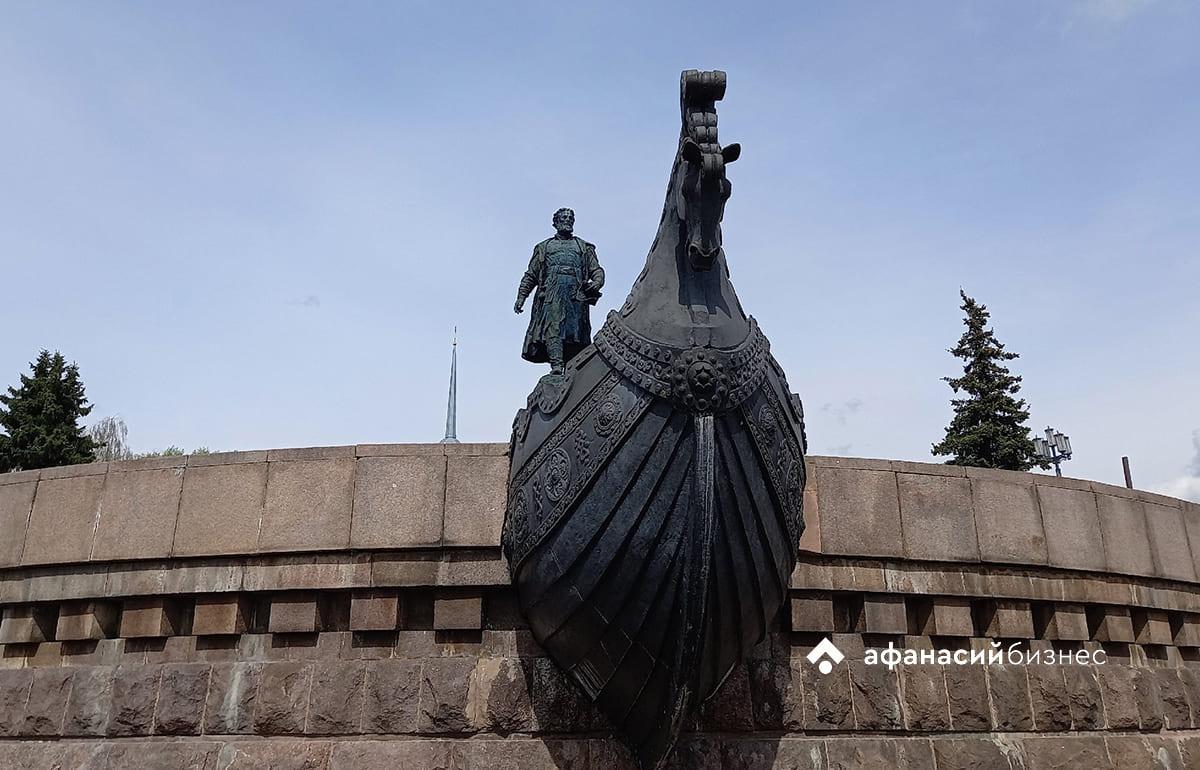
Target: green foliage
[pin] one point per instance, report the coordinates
(988, 429)
(173, 451)
(40, 419)
(112, 440)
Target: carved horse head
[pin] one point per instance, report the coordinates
(683, 296)
(701, 186)
(700, 203)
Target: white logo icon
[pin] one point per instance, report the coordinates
(825, 652)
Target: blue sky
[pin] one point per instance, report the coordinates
(255, 224)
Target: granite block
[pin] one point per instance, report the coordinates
(1008, 522)
(87, 620)
(860, 512)
(876, 697)
(812, 613)
(828, 702)
(374, 611)
(221, 509)
(28, 624)
(810, 538)
(47, 703)
(183, 691)
(1109, 623)
(476, 491)
(227, 458)
(1126, 538)
(231, 699)
(282, 699)
(1072, 527)
(1058, 753)
(149, 617)
(63, 520)
(222, 614)
(991, 753)
(884, 614)
(14, 692)
(967, 693)
(308, 505)
(392, 692)
(16, 505)
(458, 614)
(294, 613)
(336, 704)
(924, 698)
(950, 616)
(399, 501)
(137, 514)
(937, 516)
(445, 690)
(1151, 626)
(87, 711)
(1169, 543)
(1010, 700)
(1067, 622)
(134, 693)
(1007, 619)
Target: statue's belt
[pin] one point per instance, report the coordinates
(697, 379)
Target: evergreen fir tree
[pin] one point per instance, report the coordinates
(40, 419)
(988, 429)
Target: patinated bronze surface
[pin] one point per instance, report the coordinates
(568, 278)
(655, 492)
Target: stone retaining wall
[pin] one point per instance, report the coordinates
(349, 607)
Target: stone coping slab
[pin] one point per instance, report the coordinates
(422, 496)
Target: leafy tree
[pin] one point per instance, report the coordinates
(112, 439)
(988, 429)
(171, 451)
(40, 418)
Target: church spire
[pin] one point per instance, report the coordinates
(452, 400)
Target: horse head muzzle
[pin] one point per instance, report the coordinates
(702, 258)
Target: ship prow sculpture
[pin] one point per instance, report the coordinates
(656, 486)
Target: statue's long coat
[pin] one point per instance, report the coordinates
(558, 309)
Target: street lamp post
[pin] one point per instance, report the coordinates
(1055, 448)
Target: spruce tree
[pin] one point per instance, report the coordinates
(988, 429)
(40, 419)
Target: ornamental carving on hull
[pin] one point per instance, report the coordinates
(701, 380)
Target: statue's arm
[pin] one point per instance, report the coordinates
(530, 279)
(595, 272)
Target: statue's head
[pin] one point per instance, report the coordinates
(564, 221)
(703, 190)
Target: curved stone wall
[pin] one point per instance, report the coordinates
(348, 607)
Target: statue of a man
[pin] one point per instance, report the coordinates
(568, 278)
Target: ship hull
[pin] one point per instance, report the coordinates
(652, 527)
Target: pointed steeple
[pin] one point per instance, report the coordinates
(452, 400)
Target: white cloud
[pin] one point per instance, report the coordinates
(1187, 486)
(843, 411)
(1184, 487)
(1112, 11)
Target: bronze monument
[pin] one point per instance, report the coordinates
(655, 489)
(568, 278)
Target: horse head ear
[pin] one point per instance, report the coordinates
(731, 152)
(691, 151)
